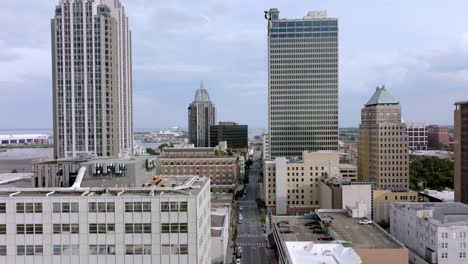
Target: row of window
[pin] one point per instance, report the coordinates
(97, 207)
(304, 23)
(173, 206)
(305, 35)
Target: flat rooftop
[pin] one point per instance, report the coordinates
(92, 160)
(169, 186)
(440, 214)
(344, 229)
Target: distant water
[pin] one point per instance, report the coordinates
(146, 144)
(46, 131)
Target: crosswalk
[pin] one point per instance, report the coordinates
(249, 235)
(253, 244)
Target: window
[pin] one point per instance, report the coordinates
(164, 206)
(138, 249)
(66, 250)
(101, 207)
(463, 245)
(173, 206)
(183, 250)
(138, 228)
(183, 207)
(146, 206)
(183, 228)
(101, 228)
(3, 250)
(444, 245)
(28, 208)
(66, 228)
(172, 249)
(92, 207)
(2, 229)
(29, 250)
(444, 255)
(102, 249)
(462, 255)
(28, 229)
(165, 228)
(174, 228)
(2, 209)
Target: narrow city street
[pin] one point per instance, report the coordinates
(251, 237)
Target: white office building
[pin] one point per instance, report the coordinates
(417, 135)
(92, 78)
(433, 232)
(166, 222)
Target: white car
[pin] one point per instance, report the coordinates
(238, 261)
(365, 222)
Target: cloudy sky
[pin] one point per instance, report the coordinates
(418, 49)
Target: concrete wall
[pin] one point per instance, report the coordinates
(356, 193)
(281, 186)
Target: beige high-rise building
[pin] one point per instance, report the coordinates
(302, 84)
(383, 143)
(292, 186)
(461, 152)
(92, 78)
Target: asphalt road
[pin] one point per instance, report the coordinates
(250, 233)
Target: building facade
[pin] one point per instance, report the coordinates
(201, 115)
(438, 136)
(417, 136)
(383, 144)
(223, 170)
(433, 232)
(302, 84)
(92, 78)
(292, 186)
(340, 193)
(234, 134)
(266, 146)
(461, 152)
(168, 222)
(384, 198)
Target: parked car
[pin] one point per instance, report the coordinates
(325, 238)
(315, 227)
(318, 232)
(283, 224)
(241, 209)
(312, 223)
(365, 222)
(238, 261)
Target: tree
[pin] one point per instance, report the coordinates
(248, 163)
(150, 151)
(435, 173)
(246, 179)
(165, 145)
(14, 171)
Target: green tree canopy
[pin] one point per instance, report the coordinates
(433, 173)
